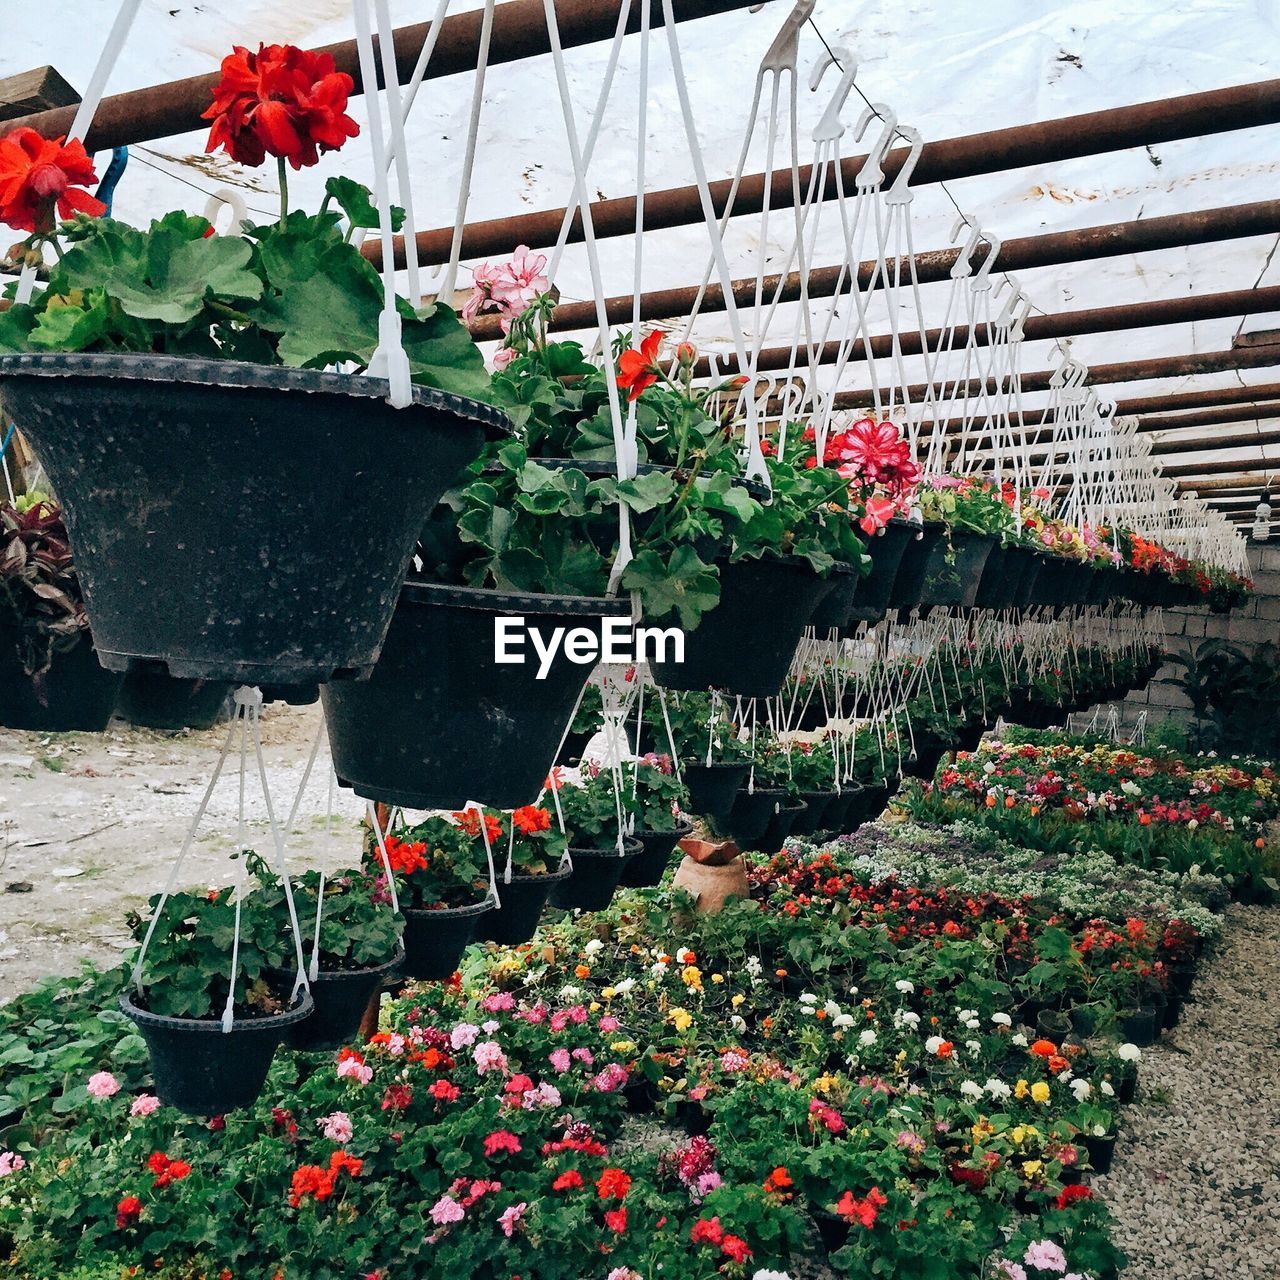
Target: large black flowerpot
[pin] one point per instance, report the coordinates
(76, 693)
(955, 585)
(595, 877)
(1001, 575)
(521, 903)
(908, 584)
(292, 695)
(886, 550)
(341, 996)
(833, 820)
(1029, 564)
(159, 701)
(746, 643)
(646, 869)
(867, 805)
(1102, 1151)
(929, 752)
(817, 805)
(439, 722)
(749, 818)
(205, 1071)
(713, 787)
(435, 940)
(832, 613)
(238, 521)
(779, 828)
(968, 736)
(833, 1231)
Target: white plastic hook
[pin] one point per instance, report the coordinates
(831, 127)
(784, 52)
(225, 198)
(962, 266)
(900, 191)
(982, 277)
(871, 175)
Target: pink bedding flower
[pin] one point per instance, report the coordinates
(103, 1084)
(509, 1219)
(501, 1140)
(1045, 1255)
(336, 1127)
(145, 1104)
(446, 1210)
(488, 1056)
(560, 1060)
(11, 1162)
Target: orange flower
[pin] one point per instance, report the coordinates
(613, 1184)
(1144, 819)
(1009, 802)
(1044, 1048)
(778, 1182)
(991, 802)
(639, 370)
(530, 819)
(582, 971)
(469, 821)
(36, 180)
(1058, 1064)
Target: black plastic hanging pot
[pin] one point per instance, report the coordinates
(909, 582)
(886, 550)
(222, 514)
(867, 805)
(749, 818)
(833, 1231)
(76, 694)
(1001, 579)
(745, 644)
(595, 877)
(646, 868)
(434, 940)
(521, 902)
(713, 787)
(779, 828)
(839, 805)
(159, 701)
(292, 695)
(439, 722)
(955, 585)
(817, 805)
(205, 1071)
(1028, 564)
(341, 997)
(832, 613)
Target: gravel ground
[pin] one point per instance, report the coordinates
(1196, 1182)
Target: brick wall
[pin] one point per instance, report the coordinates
(1255, 624)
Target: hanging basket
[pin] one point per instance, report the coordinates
(908, 584)
(749, 817)
(158, 701)
(292, 695)
(439, 722)
(222, 514)
(1001, 579)
(713, 787)
(523, 899)
(76, 693)
(886, 550)
(745, 644)
(779, 828)
(1027, 563)
(595, 877)
(341, 997)
(955, 585)
(832, 613)
(205, 1071)
(646, 869)
(434, 940)
(817, 805)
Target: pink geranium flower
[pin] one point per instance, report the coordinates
(103, 1084)
(509, 1219)
(145, 1104)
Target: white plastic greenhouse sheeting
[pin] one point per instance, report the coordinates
(948, 68)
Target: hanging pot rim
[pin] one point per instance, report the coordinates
(683, 829)
(271, 1023)
(337, 975)
(630, 847)
(495, 599)
(453, 913)
(139, 366)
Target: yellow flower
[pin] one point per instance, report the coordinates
(1039, 1092)
(1031, 1168)
(825, 1083)
(623, 1046)
(983, 1129)
(1016, 1135)
(681, 1019)
(738, 1000)
(609, 992)
(692, 977)
(717, 978)
(1020, 1089)
(594, 1006)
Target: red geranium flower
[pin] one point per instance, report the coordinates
(284, 101)
(1068, 1195)
(639, 370)
(570, 1180)
(613, 1184)
(874, 453)
(38, 177)
(616, 1219)
(128, 1211)
(531, 819)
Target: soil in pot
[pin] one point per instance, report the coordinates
(434, 940)
(595, 877)
(521, 902)
(886, 550)
(749, 818)
(746, 643)
(76, 693)
(205, 1071)
(713, 787)
(647, 868)
(159, 701)
(341, 997)
(779, 828)
(266, 465)
(439, 723)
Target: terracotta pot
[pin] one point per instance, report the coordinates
(712, 886)
(710, 853)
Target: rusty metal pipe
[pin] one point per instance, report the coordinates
(519, 31)
(1087, 244)
(1190, 115)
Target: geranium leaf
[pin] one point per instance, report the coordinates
(356, 201)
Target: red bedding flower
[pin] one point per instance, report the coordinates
(282, 101)
(39, 177)
(639, 370)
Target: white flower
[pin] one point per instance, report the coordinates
(753, 966)
(989, 767)
(1082, 1089)
(658, 969)
(1099, 1130)
(867, 1038)
(972, 1024)
(933, 1044)
(1193, 824)
(971, 1089)
(973, 1046)
(1019, 1039)
(1128, 1053)
(1002, 1019)
(737, 1022)
(905, 1018)
(831, 1009)
(593, 946)
(684, 955)
(1107, 1090)
(998, 1089)
(570, 993)
(625, 986)
(770, 1275)
(965, 1014)
(842, 1021)
(904, 986)
(1130, 788)
(808, 998)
